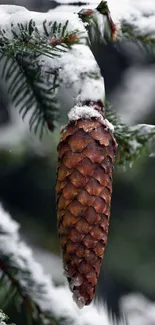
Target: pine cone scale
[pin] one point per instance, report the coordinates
(86, 155)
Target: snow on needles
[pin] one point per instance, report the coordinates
(79, 75)
(55, 301)
(144, 128)
(3, 318)
(140, 12)
(10, 14)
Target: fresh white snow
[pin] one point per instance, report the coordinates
(79, 74)
(56, 301)
(77, 67)
(87, 112)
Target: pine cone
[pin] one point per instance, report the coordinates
(86, 155)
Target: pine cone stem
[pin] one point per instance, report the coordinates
(86, 155)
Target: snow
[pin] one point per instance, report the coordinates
(76, 70)
(52, 264)
(88, 112)
(79, 75)
(131, 10)
(137, 309)
(135, 145)
(122, 9)
(143, 128)
(98, 89)
(130, 104)
(2, 318)
(12, 14)
(56, 301)
(109, 125)
(11, 226)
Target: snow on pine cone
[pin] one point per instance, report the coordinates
(86, 155)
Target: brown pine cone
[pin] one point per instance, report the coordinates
(86, 155)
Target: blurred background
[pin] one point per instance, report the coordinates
(28, 175)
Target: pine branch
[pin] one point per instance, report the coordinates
(25, 47)
(145, 41)
(98, 32)
(34, 89)
(15, 291)
(30, 91)
(43, 301)
(132, 141)
(38, 94)
(4, 319)
(27, 39)
(107, 31)
(29, 88)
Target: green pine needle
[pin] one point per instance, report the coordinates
(4, 318)
(28, 88)
(132, 141)
(145, 41)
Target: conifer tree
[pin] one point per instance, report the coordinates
(39, 57)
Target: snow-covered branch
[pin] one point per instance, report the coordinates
(74, 76)
(137, 309)
(4, 319)
(75, 70)
(49, 301)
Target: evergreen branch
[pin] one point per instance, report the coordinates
(44, 302)
(39, 97)
(146, 41)
(31, 91)
(15, 289)
(4, 319)
(16, 274)
(27, 39)
(100, 26)
(29, 88)
(132, 141)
